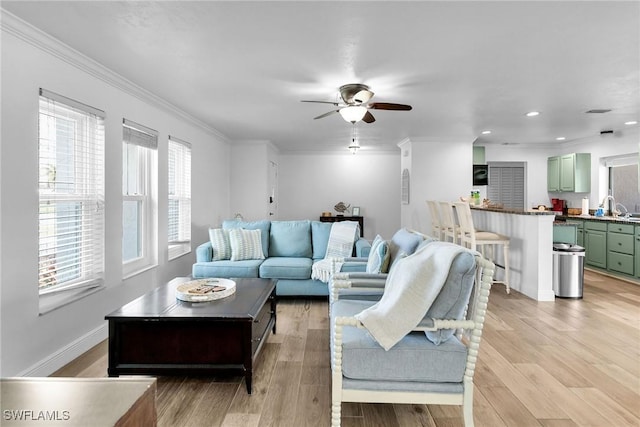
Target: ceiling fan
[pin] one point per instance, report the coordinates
(354, 106)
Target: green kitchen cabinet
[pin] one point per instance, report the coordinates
(565, 233)
(478, 155)
(595, 243)
(570, 172)
(620, 241)
(637, 252)
(553, 174)
(579, 232)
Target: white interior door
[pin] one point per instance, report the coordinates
(272, 200)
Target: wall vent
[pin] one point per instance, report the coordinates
(598, 111)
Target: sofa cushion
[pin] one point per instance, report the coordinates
(319, 238)
(413, 359)
(247, 268)
(286, 268)
(262, 225)
(290, 239)
(220, 244)
(245, 244)
(378, 261)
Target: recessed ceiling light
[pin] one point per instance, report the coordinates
(486, 132)
(560, 138)
(632, 122)
(533, 113)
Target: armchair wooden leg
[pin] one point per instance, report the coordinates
(467, 405)
(336, 409)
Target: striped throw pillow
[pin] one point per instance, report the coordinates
(245, 244)
(220, 244)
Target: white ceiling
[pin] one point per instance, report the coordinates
(243, 67)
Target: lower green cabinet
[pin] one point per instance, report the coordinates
(595, 244)
(637, 255)
(620, 241)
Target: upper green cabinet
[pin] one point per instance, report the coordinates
(570, 172)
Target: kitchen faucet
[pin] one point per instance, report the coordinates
(627, 214)
(613, 211)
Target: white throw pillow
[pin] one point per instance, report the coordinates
(245, 244)
(220, 244)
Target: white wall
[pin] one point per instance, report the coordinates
(38, 344)
(441, 169)
(310, 184)
(622, 142)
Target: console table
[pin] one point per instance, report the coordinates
(339, 218)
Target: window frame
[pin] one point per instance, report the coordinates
(181, 246)
(85, 187)
(146, 169)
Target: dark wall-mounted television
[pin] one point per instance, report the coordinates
(480, 174)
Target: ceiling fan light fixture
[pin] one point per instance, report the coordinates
(353, 114)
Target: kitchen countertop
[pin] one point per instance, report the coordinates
(514, 211)
(620, 220)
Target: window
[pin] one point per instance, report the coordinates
(71, 195)
(139, 201)
(507, 184)
(179, 217)
(623, 183)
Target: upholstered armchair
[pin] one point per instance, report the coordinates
(433, 363)
(364, 278)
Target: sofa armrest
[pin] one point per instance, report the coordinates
(363, 247)
(204, 252)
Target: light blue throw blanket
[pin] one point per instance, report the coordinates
(413, 284)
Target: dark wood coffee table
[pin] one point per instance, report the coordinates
(159, 334)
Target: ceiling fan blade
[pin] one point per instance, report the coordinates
(368, 118)
(326, 114)
(322, 102)
(389, 106)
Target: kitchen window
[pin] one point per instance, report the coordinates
(139, 200)
(71, 141)
(623, 183)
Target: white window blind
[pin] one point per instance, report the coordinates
(71, 194)
(140, 144)
(179, 215)
(506, 186)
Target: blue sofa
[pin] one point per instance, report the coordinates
(290, 249)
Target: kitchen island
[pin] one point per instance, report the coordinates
(530, 249)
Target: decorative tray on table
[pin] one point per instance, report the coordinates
(205, 290)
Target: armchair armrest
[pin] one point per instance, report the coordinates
(365, 286)
(362, 247)
(204, 252)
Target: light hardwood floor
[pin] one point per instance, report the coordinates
(550, 364)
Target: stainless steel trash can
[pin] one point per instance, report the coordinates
(568, 270)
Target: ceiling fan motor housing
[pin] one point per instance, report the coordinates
(355, 93)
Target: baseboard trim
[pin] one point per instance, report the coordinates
(57, 360)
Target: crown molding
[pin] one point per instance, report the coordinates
(32, 35)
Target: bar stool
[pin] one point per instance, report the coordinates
(448, 222)
(472, 238)
(436, 222)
